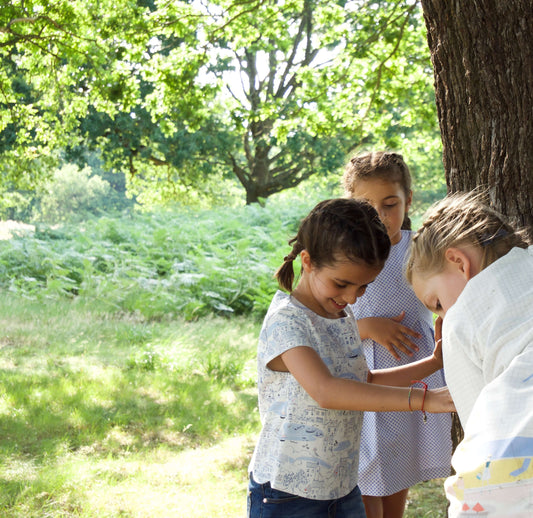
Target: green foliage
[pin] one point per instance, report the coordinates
(72, 194)
(180, 96)
(16, 205)
(159, 265)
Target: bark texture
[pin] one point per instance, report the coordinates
(482, 54)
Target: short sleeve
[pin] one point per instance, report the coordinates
(283, 330)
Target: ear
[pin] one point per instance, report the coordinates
(408, 201)
(307, 265)
(460, 261)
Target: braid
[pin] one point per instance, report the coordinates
(285, 273)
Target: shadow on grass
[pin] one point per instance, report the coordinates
(47, 414)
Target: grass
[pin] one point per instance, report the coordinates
(109, 415)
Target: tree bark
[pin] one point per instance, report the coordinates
(482, 54)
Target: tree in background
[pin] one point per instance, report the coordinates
(311, 81)
(482, 53)
(179, 96)
(59, 59)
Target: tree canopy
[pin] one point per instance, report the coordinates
(178, 95)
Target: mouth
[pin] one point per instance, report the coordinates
(337, 305)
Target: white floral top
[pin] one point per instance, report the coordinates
(304, 449)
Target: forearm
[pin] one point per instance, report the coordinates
(403, 375)
(364, 327)
(345, 394)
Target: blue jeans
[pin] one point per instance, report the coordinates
(265, 502)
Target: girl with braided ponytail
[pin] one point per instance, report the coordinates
(313, 380)
(398, 450)
(468, 265)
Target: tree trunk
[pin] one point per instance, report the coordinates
(482, 54)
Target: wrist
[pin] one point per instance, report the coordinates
(417, 397)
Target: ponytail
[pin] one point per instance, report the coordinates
(285, 273)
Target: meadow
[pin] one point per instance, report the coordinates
(127, 363)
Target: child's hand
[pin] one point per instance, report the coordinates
(437, 352)
(389, 333)
(439, 401)
(438, 329)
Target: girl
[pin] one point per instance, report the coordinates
(397, 450)
(313, 381)
(469, 266)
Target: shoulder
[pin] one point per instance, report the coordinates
(502, 280)
(400, 249)
(496, 291)
(285, 313)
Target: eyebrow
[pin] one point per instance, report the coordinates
(344, 281)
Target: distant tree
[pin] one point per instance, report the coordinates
(72, 194)
(174, 93)
(482, 53)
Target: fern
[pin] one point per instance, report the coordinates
(159, 264)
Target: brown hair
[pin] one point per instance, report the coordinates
(337, 228)
(384, 165)
(457, 220)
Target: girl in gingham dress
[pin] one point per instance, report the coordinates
(398, 450)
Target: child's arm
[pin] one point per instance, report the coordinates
(328, 391)
(404, 374)
(389, 333)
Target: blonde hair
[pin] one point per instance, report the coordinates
(460, 219)
(383, 165)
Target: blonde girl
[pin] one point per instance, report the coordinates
(398, 450)
(313, 381)
(472, 268)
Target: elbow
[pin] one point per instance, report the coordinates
(325, 397)
(324, 401)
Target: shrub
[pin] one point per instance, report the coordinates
(159, 264)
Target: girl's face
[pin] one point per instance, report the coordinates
(439, 291)
(390, 201)
(329, 289)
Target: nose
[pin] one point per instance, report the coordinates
(381, 213)
(351, 296)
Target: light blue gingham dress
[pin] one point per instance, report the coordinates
(398, 449)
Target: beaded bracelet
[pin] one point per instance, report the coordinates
(425, 385)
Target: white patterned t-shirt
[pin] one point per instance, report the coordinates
(304, 449)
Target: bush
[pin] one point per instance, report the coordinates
(72, 194)
(161, 264)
